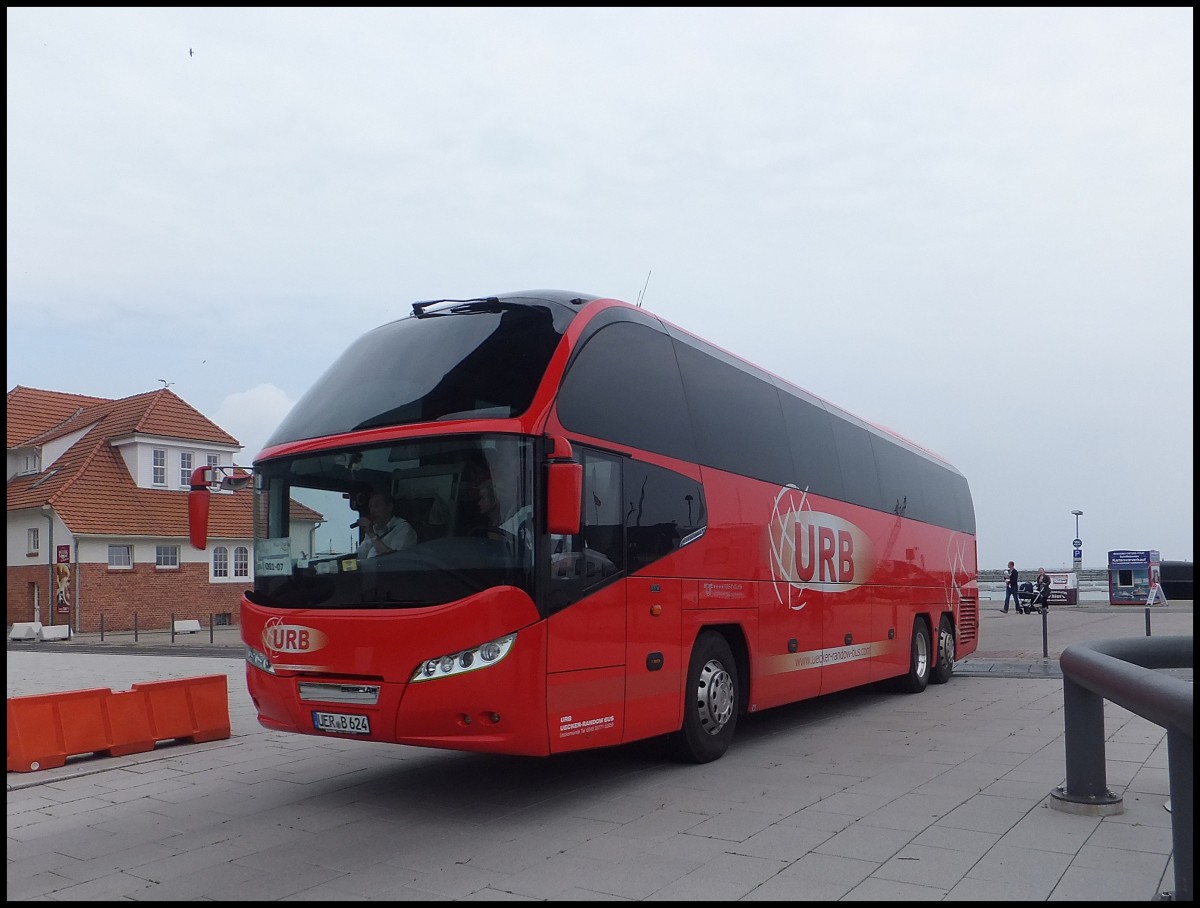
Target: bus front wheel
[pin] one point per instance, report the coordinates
(710, 702)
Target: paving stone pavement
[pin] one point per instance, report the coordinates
(943, 796)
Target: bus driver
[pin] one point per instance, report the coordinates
(383, 530)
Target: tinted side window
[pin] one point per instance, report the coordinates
(662, 509)
(922, 489)
(738, 420)
(810, 431)
(860, 476)
(899, 482)
(624, 386)
(939, 503)
(955, 485)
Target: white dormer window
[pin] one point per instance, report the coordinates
(31, 462)
(185, 469)
(159, 474)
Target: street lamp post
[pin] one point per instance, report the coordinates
(1077, 543)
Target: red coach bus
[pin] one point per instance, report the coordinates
(600, 529)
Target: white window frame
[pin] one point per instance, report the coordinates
(33, 541)
(185, 469)
(158, 470)
(119, 565)
(166, 557)
(241, 562)
(220, 562)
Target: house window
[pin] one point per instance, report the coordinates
(159, 477)
(120, 556)
(32, 462)
(166, 556)
(220, 562)
(185, 469)
(241, 561)
(33, 541)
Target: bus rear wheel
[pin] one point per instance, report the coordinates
(710, 704)
(945, 653)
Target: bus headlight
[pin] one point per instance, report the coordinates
(469, 660)
(259, 660)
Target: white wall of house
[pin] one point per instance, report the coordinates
(22, 461)
(144, 550)
(52, 450)
(138, 453)
(19, 524)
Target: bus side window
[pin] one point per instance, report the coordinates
(602, 529)
(665, 508)
(596, 554)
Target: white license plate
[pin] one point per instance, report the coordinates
(341, 723)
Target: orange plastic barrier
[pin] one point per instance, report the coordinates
(45, 729)
(195, 709)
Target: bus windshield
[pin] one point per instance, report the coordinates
(401, 525)
(451, 363)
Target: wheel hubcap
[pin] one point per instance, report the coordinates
(922, 660)
(714, 697)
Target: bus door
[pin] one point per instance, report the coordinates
(586, 639)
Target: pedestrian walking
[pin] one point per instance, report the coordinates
(1010, 587)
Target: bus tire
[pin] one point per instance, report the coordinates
(920, 657)
(710, 702)
(945, 653)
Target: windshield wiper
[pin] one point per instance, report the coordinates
(481, 304)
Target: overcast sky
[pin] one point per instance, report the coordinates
(971, 226)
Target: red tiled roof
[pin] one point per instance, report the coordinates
(90, 487)
(32, 411)
(160, 412)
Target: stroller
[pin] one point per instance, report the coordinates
(1030, 600)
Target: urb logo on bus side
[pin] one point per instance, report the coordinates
(814, 550)
(278, 637)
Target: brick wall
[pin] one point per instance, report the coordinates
(152, 593)
(18, 601)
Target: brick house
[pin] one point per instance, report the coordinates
(97, 513)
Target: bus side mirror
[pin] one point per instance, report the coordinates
(564, 494)
(198, 501)
(228, 479)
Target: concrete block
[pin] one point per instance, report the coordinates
(25, 630)
(55, 632)
(187, 626)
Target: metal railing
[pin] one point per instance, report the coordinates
(1123, 670)
(212, 623)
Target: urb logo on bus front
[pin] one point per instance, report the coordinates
(278, 637)
(814, 550)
